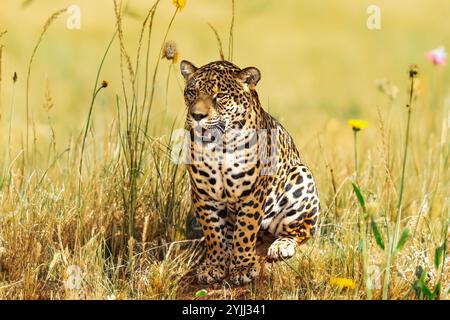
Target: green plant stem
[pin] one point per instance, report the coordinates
(166, 102)
(231, 36)
(355, 140)
(405, 155)
(219, 42)
(88, 120)
(1, 53)
(365, 257)
(402, 180)
(11, 113)
(386, 279)
(444, 254)
(395, 238)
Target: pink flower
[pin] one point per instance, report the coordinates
(437, 56)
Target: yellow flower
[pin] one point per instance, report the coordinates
(357, 124)
(180, 4)
(343, 282)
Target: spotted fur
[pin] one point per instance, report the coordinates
(243, 186)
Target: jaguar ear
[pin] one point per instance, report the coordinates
(249, 77)
(187, 69)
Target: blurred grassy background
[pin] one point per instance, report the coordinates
(319, 64)
(318, 60)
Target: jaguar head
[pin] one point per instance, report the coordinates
(218, 94)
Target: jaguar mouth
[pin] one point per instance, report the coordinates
(208, 133)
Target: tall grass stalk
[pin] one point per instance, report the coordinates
(47, 25)
(137, 121)
(365, 261)
(166, 101)
(231, 35)
(152, 92)
(9, 162)
(1, 55)
(2, 33)
(413, 73)
(131, 140)
(219, 42)
(95, 92)
(11, 113)
(355, 142)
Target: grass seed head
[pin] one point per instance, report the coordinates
(170, 51)
(413, 71)
(104, 84)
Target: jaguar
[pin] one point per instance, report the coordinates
(248, 182)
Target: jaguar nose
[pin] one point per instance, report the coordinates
(198, 116)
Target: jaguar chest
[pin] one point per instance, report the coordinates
(226, 171)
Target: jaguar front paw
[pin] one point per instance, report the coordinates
(210, 274)
(241, 275)
(281, 249)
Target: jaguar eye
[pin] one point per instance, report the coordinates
(190, 94)
(219, 95)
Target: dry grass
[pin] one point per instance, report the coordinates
(107, 216)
